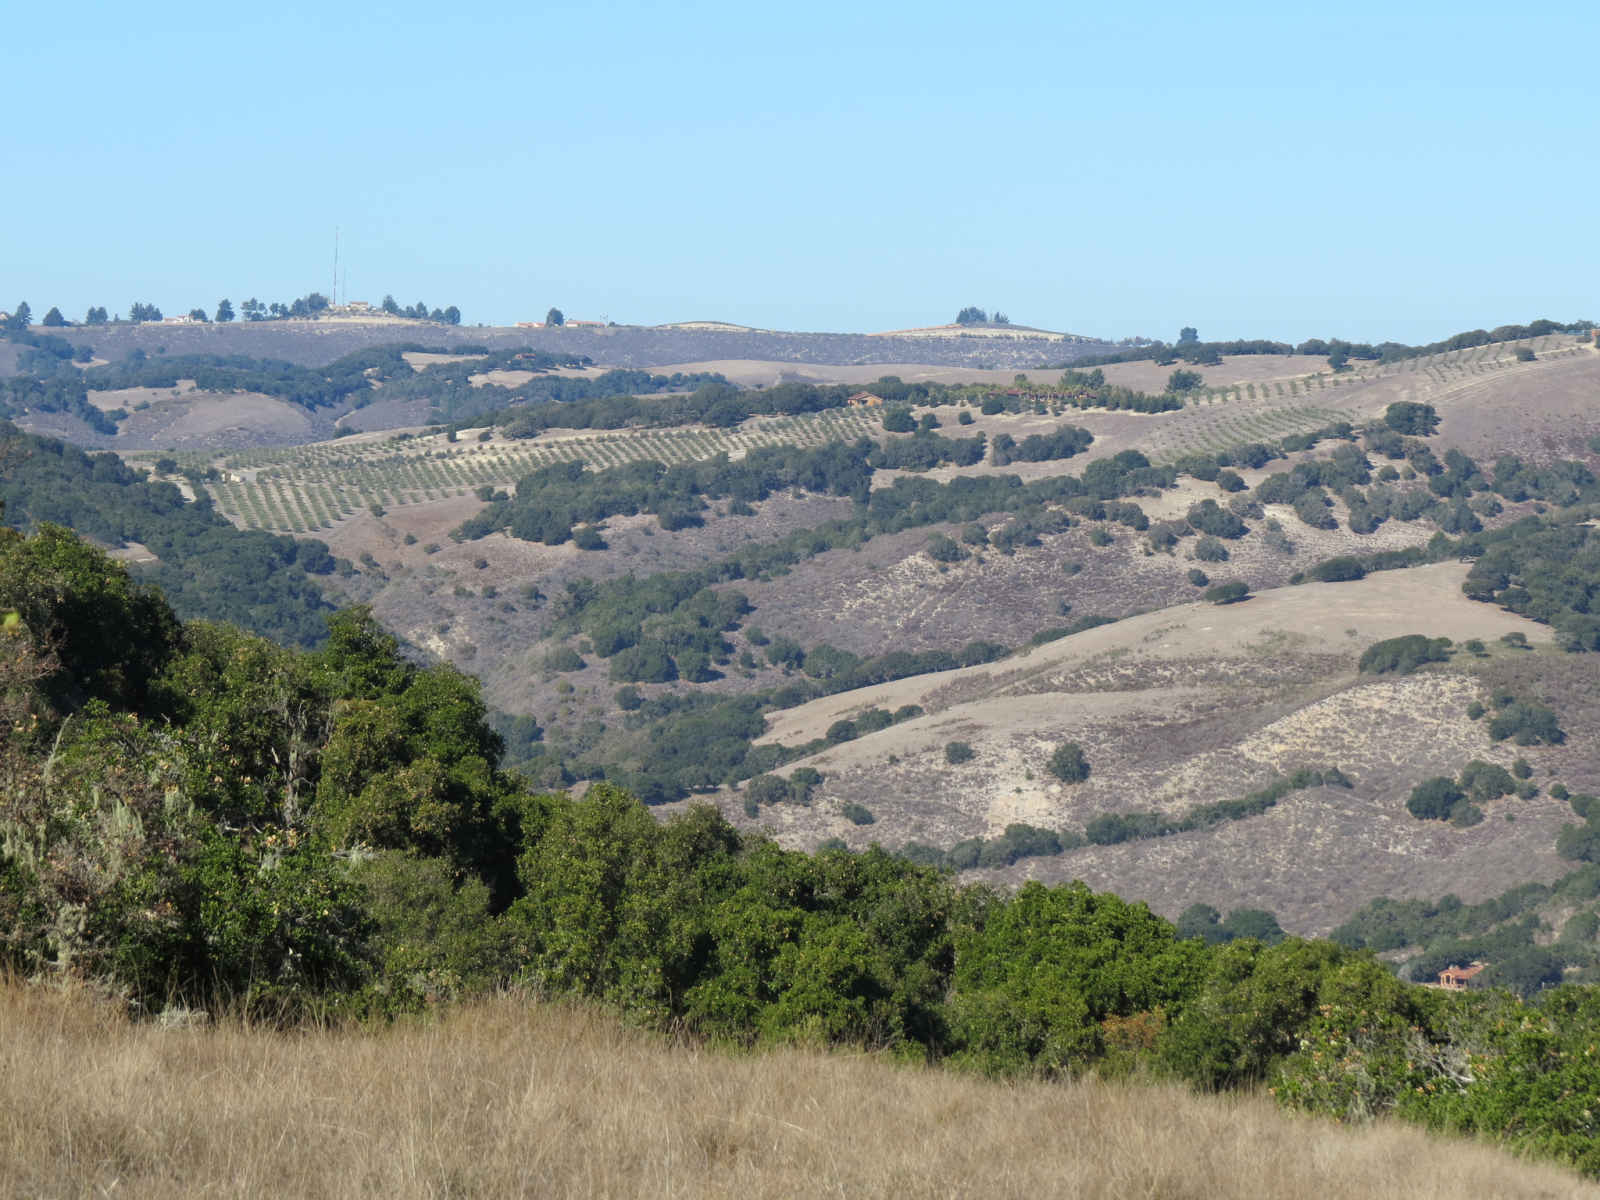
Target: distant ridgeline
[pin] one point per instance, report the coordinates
(1194, 351)
(52, 378)
(208, 568)
(193, 816)
(446, 386)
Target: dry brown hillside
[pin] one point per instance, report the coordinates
(1196, 704)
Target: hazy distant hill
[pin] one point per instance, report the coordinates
(316, 342)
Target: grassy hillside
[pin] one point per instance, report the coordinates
(506, 1097)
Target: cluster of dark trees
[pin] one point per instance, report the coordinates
(1110, 829)
(1454, 492)
(185, 803)
(1403, 655)
(450, 315)
(208, 568)
(1546, 568)
(973, 315)
(1189, 350)
(611, 401)
(1076, 389)
(925, 450)
(1457, 800)
(1065, 442)
(1206, 923)
(1018, 841)
(60, 393)
(309, 305)
(553, 500)
(310, 387)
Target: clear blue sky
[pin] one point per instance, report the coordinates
(1366, 171)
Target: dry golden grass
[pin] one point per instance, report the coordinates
(506, 1098)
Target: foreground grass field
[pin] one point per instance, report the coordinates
(505, 1098)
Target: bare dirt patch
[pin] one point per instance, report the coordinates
(421, 360)
(1234, 369)
(215, 421)
(132, 398)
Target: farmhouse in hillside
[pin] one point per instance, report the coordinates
(1456, 979)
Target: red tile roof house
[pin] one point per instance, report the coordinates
(864, 400)
(1456, 979)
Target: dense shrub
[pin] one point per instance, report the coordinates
(1435, 799)
(1312, 507)
(1527, 723)
(643, 664)
(1209, 518)
(563, 658)
(1344, 569)
(1068, 763)
(1228, 593)
(945, 550)
(1403, 655)
(1414, 420)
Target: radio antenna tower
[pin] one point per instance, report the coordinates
(334, 299)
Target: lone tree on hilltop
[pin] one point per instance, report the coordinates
(972, 315)
(224, 311)
(1187, 335)
(555, 317)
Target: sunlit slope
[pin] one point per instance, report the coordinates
(1200, 704)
